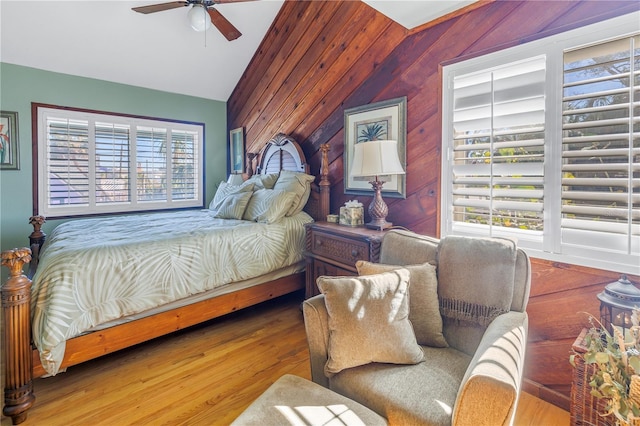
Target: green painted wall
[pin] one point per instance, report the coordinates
(19, 86)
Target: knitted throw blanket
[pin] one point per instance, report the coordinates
(475, 278)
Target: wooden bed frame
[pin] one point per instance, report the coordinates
(22, 360)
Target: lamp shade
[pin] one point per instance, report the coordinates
(198, 17)
(376, 158)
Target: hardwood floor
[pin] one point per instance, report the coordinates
(206, 375)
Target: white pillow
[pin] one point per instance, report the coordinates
(263, 181)
(268, 205)
(233, 206)
(224, 190)
(299, 184)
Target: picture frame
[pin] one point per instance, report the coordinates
(236, 150)
(9, 144)
(376, 121)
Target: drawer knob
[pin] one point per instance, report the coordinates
(318, 242)
(354, 253)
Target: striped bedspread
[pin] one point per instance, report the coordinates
(96, 270)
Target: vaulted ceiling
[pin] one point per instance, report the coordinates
(105, 39)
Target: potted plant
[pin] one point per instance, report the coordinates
(617, 369)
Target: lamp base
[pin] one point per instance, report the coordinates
(378, 208)
(379, 226)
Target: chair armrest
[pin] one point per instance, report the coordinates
(491, 386)
(316, 323)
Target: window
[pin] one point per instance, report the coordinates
(90, 162)
(541, 142)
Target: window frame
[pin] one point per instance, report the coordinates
(549, 245)
(39, 113)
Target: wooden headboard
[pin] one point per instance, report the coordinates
(282, 152)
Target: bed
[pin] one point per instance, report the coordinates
(167, 271)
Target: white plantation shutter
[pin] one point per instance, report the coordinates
(112, 163)
(151, 162)
(184, 161)
(541, 143)
(498, 146)
(67, 155)
(601, 147)
(92, 163)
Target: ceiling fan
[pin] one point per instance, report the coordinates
(198, 15)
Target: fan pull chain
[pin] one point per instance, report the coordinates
(205, 36)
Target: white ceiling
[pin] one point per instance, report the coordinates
(108, 41)
(105, 39)
(413, 13)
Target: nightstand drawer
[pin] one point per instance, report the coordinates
(343, 250)
(332, 249)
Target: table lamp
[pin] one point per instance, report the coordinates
(375, 159)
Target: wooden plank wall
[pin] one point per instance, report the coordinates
(320, 58)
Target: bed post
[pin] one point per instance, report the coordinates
(16, 306)
(251, 156)
(36, 240)
(324, 184)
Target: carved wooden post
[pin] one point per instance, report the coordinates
(36, 240)
(251, 169)
(16, 306)
(324, 184)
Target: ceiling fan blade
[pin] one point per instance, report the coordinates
(223, 25)
(160, 7)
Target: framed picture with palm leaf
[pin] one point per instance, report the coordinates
(385, 120)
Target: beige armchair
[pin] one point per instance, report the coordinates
(473, 378)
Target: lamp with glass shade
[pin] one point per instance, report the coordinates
(376, 159)
(199, 18)
(617, 302)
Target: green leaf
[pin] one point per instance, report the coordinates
(601, 357)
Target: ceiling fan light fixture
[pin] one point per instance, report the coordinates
(199, 18)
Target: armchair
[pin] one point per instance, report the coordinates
(472, 379)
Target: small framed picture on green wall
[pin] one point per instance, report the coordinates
(9, 154)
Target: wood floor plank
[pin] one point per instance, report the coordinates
(206, 375)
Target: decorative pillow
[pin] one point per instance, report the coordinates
(299, 184)
(233, 206)
(263, 181)
(268, 205)
(224, 189)
(368, 320)
(424, 309)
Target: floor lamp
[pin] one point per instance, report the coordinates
(375, 159)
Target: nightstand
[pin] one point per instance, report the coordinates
(333, 249)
